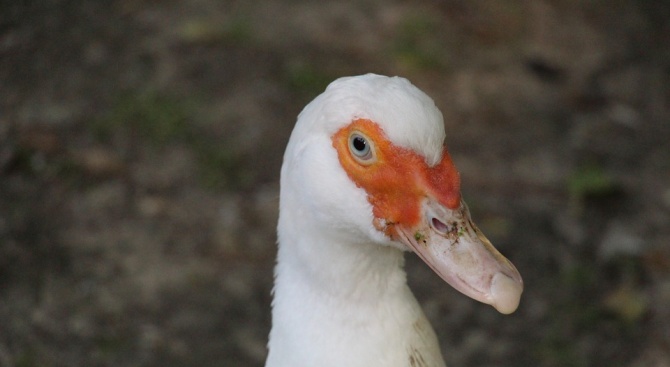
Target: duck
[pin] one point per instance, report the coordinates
(366, 177)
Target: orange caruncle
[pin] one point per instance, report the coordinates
(399, 179)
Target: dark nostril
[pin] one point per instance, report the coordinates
(439, 226)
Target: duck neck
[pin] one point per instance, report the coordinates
(352, 272)
(342, 303)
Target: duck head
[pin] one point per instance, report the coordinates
(385, 177)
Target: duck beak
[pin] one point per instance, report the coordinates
(420, 205)
(452, 245)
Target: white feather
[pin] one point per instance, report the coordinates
(341, 298)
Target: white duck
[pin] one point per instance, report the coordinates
(366, 176)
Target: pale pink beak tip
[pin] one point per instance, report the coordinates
(505, 293)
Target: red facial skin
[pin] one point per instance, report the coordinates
(396, 179)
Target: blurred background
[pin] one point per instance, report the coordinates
(141, 141)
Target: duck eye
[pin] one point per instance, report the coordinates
(361, 148)
(360, 144)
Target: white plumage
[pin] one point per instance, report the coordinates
(366, 177)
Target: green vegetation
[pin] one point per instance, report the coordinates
(307, 79)
(461, 231)
(237, 30)
(151, 116)
(221, 168)
(580, 305)
(590, 180)
(575, 311)
(418, 236)
(158, 120)
(558, 351)
(27, 359)
(417, 44)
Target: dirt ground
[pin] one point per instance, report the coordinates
(140, 146)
